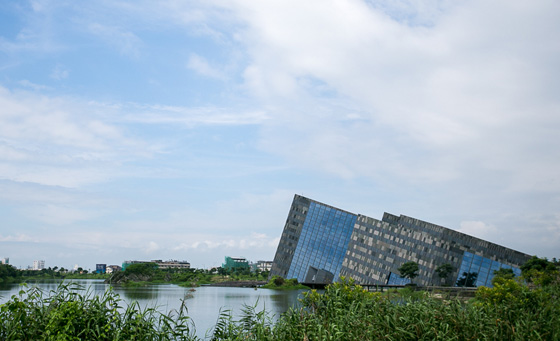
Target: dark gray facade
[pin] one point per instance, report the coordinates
(320, 243)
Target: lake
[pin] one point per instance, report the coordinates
(203, 304)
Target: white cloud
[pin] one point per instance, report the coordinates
(191, 117)
(126, 42)
(60, 215)
(60, 141)
(228, 244)
(152, 247)
(33, 86)
(15, 238)
(200, 65)
(478, 229)
(470, 90)
(59, 72)
(441, 107)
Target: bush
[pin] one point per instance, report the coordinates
(66, 314)
(278, 281)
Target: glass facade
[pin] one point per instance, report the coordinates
(323, 241)
(395, 279)
(320, 243)
(483, 268)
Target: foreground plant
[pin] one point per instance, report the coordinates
(344, 311)
(69, 313)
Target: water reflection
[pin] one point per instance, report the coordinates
(286, 299)
(137, 293)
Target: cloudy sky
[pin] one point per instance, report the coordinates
(182, 129)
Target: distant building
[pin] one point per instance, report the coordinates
(263, 265)
(38, 264)
(100, 268)
(169, 264)
(113, 268)
(235, 263)
(321, 243)
(6, 260)
(127, 263)
(172, 264)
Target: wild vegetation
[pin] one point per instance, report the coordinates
(526, 308)
(277, 282)
(67, 314)
(9, 274)
(511, 310)
(146, 273)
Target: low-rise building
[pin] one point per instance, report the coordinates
(263, 265)
(169, 264)
(127, 263)
(100, 268)
(113, 268)
(235, 263)
(172, 264)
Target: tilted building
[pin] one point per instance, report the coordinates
(321, 243)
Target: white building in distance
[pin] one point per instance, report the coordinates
(38, 264)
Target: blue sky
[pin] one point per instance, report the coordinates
(182, 130)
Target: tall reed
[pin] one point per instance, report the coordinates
(69, 313)
(344, 311)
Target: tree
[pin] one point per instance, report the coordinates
(539, 264)
(7, 271)
(504, 273)
(409, 270)
(141, 269)
(222, 271)
(501, 275)
(540, 271)
(468, 279)
(443, 271)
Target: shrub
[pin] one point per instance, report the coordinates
(66, 314)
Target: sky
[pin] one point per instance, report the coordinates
(182, 129)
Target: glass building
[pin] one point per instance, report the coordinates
(320, 243)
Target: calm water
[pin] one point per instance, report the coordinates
(203, 307)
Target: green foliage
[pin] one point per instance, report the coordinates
(145, 274)
(347, 312)
(467, 280)
(8, 273)
(67, 314)
(252, 325)
(145, 269)
(502, 274)
(539, 264)
(344, 311)
(540, 271)
(409, 270)
(444, 270)
(278, 282)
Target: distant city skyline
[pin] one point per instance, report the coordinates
(182, 130)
